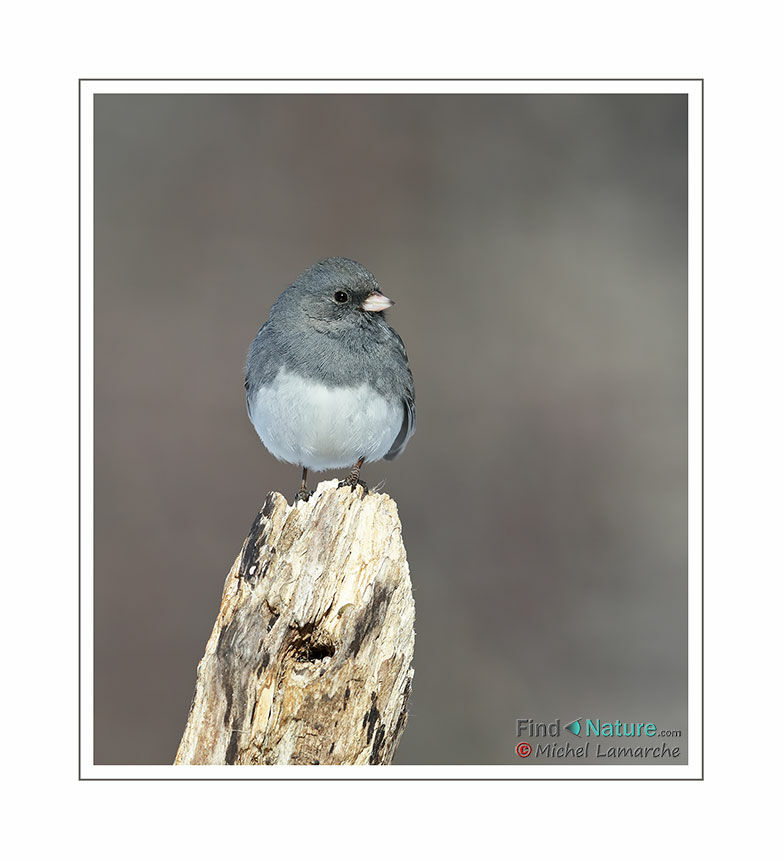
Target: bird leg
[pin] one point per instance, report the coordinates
(304, 494)
(352, 479)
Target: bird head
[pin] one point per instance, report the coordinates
(338, 293)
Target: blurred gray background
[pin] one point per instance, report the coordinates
(536, 248)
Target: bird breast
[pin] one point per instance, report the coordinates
(310, 424)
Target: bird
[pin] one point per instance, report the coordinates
(327, 380)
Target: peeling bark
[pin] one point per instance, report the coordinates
(309, 661)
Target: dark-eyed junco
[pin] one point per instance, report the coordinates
(327, 378)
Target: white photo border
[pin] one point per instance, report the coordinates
(694, 89)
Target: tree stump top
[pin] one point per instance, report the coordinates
(309, 661)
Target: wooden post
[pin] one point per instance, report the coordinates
(309, 661)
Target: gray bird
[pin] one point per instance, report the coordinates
(327, 379)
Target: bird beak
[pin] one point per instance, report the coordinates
(376, 301)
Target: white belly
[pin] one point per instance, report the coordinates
(313, 425)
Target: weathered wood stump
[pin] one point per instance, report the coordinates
(309, 661)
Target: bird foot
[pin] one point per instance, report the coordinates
(303, 496)
(349, 482)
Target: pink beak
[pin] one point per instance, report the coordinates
(376, 302)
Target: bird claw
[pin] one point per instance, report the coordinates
(303, 496)
(348, 482)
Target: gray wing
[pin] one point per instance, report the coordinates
(408, 398)
(260, 368)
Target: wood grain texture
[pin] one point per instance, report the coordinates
(309, 661)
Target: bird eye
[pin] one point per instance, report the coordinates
(340, 297)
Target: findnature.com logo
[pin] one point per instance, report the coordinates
(596, 728)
